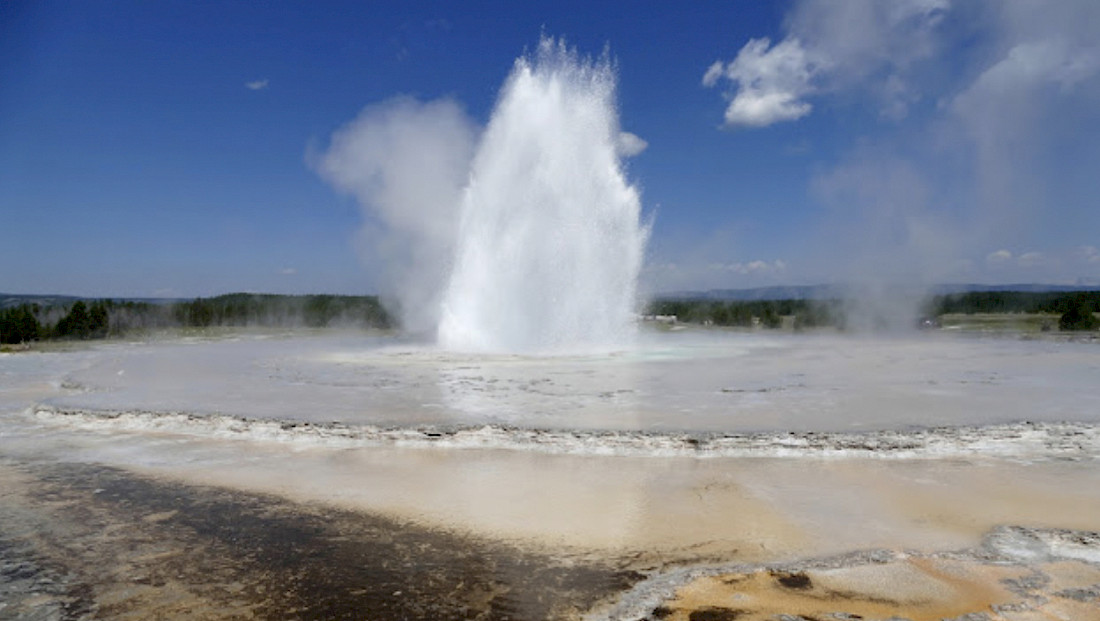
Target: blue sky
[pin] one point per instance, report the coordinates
(163, 148)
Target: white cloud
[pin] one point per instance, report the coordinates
(771, 82)
(830, 46)
(257, 85)
(998, 257)
(630, 144)
(288, 271)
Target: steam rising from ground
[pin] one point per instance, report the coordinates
(529, 242)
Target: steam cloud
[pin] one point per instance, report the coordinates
(406, 162)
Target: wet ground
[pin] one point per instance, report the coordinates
(93, 542)
(264, 478)
(81, 541)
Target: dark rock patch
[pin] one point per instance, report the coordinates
(794, 580)
(715, 614)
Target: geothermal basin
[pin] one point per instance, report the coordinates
(643, 482)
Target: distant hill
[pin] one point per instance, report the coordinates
(832, 292)
(11, 300)
(1021, 288)
(797, 292)
(803, 292)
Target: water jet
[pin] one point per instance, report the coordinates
(549, 242)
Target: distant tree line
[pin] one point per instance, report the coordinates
(315, 311)
(1075, 308)
(103, 318)
(766, 313)
(1015, 302)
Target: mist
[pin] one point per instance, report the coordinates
(406, 163)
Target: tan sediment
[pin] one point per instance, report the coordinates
(924, 504)
(660, 510)
(670, 510)
(917, 589)
(968, 498)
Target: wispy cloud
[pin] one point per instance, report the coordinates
(1063, 264)
(1032, 259)
(288, 271)
(257, 85)
(757, 267)
(682, 269)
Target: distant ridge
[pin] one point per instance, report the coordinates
(826, 292)
(1023, 288)
(9, 300)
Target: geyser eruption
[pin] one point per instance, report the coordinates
(549, 242)
(524, 236)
